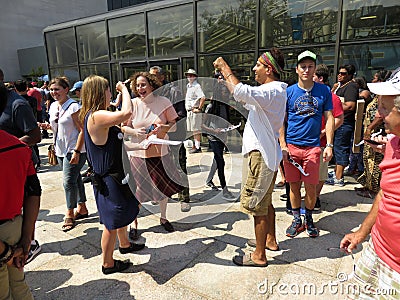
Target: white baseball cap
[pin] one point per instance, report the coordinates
(390, 87)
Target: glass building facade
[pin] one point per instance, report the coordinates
(179, 34)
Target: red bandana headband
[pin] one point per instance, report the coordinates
(268, 60)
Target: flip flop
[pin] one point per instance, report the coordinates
(69, 223)
(246, 261)
(79, 216)
(252, 243)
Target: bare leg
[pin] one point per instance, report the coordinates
(311, 195)
(261, 230)
(123, 239)
(107, 246)
(82, 209)
(295, 196)
(271, 234)
(163, 210)
(339, 171)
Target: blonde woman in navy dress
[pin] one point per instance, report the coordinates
(116, 204)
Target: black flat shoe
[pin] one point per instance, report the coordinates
(167, 226)
(119, 266)
(132, 248)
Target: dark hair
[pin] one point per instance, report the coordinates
(21, 85)
(322, 71)
(361, 82)
(351, 69)
(383, 75)
(61, 81)
(151, 79)
(3, 97)
(279, 58)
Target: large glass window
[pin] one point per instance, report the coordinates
(298, 22)
(100, 69)
(92, 42)
(226, 25)
(127, 37)
(61, 47)
(242, 65)
(370, 18)
(368, 58)
(71, 73)
(170, 31)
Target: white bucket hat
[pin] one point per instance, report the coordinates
(191, 72)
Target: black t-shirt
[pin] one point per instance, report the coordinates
(350, 94)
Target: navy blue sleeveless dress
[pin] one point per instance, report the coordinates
(116, 204)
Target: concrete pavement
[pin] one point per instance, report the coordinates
(195, 261)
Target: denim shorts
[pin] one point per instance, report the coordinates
(342, 144)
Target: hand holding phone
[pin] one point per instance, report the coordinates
(150, 128)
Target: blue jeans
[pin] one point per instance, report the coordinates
(343, 144)
(72, 180)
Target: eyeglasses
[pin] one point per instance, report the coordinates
(300, 168)
(343, 73)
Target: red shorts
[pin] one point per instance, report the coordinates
(308, 158)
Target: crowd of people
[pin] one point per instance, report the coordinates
(298, 128)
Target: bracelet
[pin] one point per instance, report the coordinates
(77, 151)
(227, 76)
(329, 145)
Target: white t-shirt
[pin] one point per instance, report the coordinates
(193, 95)
(65, 131)
(267, 105)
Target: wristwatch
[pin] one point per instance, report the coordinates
(329, 145)
(77, 151)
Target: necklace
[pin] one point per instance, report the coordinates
(342, 86)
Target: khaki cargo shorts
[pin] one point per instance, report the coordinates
(259, 181)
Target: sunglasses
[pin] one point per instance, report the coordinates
(300, 168)
(57, 116)
(343, 73)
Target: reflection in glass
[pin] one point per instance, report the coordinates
(226, 25)
(92, 42)
(284, 23)
(370, 18)
(369, 58)
(61, 49)
(170, 31)
(70, 73)
(127, 37)
(99, 69)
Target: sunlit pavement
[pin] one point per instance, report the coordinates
(195, 261)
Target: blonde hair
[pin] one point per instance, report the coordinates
(93, 95)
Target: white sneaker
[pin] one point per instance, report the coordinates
(33, 251)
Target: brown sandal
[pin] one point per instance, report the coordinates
(69, 223)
